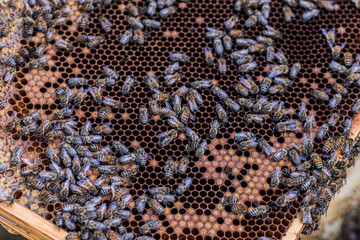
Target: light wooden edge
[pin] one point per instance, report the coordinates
(29, 224)
(297, 226)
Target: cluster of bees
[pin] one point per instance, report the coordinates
(316, 176)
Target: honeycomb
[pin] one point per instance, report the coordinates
(197, 214)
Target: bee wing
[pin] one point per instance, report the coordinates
(331, 46)
(26, 161)
(107, 124)
(343, 45)
(268, 27)
(192, 117)
(252, 41)
(323, 30)
(210, 29)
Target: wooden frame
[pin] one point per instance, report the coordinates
(27, 223)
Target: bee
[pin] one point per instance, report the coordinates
(41, 50)
(139, 36)
(37, 63)
(214, 33)
(106, 169)
(247, 67)
(258, 47)
(219, 93)
(214, 128)
(260, 210)
(275, 179)
(286, 198)
(31, 117)
(340, 89)
(267, 148)
(265, 85)
(126, 37)
(336, 51)
(337, 67)
(63, 113)
(144, 238)
(288, 14)
(29, 24)
(26, 130)
(241, 136)
(10, 75)
(295, 157)
(270, 54)
(251, 21)
(8, 60)
(308, 183)
(328, 146)
(334, 118)
(226, 201)
(309, 123)
(244, 59)
(231, 22)
(302, 114)
(128, 158)
(151, 9)
(209, 58)
(237, 54)
(166, 12)
(77, 81)
(82, 21)
(140, 203)
(248, 144)
(49, 36)
(277, 70)
(112, 103)
(219, 48)
(133, 10)
(356, 107)
(108, 72)
(95, 42)
(20, 60)
(335, 101)
(258, 105)
(172, 68)
(254, 118)
(159, 190)
(250, 84)
(103, 129)
(348, 59)
(183, 186)
(149, 226)
(270, 107)
(200, 151)
(156, 206)
(85, 38)
(308, 142)
(222, 65)
(143, 115)
(234, 106)
(227, 41)
(308, 15)
(319, 95)
(183, 165)
(46, 197)
(172, 79)
(281, 154)
(176, 102)
(221, 113)
(265, 40)
(175, 123)
(63, 45)
(179, 57)
(339, 142)
(150, 23)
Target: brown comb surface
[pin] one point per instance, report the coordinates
(197, 214)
